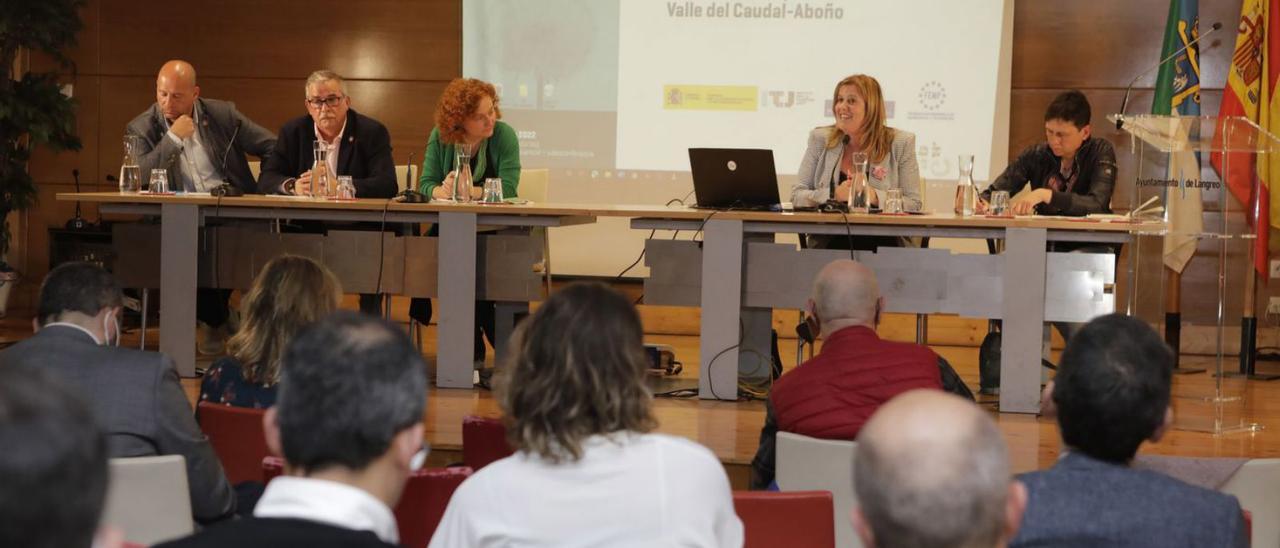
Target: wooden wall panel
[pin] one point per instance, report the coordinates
(1105, 43)
(369, 39)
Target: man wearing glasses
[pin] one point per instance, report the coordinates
(355, 145)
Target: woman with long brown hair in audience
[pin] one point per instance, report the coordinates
(588, 470)
(289, 293)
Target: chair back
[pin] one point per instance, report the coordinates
(255, 169)
(422, 504)
(1257, 485)
(484, 440)
(534, 186)
(147, 499)
(801, 519)
(806, 464)
(237, 437)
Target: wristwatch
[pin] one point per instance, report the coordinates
(288, 185)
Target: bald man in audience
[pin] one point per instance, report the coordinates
(1111, 394)
(833, 394)
(201, 143)
(932, 470)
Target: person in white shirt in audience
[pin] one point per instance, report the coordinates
(588, 471)
(53, 468)
(932, 470)
(349, 424)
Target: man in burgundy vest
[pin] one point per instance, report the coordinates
(832, 395)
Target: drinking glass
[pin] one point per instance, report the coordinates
(492, 191)
(893, 201)
(159, 182)
(999, 205)
(346, 189)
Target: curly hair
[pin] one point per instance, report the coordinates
(289, 293)
(458, 102)
(577, 370)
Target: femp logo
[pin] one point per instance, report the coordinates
(931, 103)
(932, 96)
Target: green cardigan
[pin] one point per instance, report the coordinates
(438, 160)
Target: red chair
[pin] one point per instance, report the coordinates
(237, 437)
(1248, 526)
(484, 440)
(422, 504)
(788, 518)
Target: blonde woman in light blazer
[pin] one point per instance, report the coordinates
(858, 106)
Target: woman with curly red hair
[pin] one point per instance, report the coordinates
(467, 115)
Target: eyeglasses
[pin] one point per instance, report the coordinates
(330, 101)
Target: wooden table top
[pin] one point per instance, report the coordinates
(630, 211)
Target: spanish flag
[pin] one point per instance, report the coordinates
(1251, 93)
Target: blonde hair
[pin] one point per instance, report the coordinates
(877, 137)
(289, 293)
(577, 370)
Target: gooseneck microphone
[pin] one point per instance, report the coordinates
(831, 188)
(408, 174)
(1125, 102)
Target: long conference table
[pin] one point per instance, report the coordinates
(736, 273)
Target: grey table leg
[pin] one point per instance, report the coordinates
(722, 255)
(178, 259)
(1020, 349)
(505, 315)
(457, 290)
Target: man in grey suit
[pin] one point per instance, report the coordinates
(201, 143)
(134, 395)
(1111, 394)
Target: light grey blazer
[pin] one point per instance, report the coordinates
(819, 164)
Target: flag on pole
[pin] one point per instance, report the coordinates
(1178, 91)
(1251, 93)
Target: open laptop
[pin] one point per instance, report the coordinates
(734, 178)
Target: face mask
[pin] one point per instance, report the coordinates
(420, 458)
(106, 333)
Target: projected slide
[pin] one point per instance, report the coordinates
(632, 84)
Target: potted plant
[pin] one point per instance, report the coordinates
(33, 111)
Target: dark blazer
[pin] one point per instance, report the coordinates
(220, 122)
(1083, 501)
(277, 532)
(139, 405)
(365, 155)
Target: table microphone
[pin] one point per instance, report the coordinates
(832, 204)
(1125, 101)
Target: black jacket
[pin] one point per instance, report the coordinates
(1095, 162)
(277, 533)
(365, 155)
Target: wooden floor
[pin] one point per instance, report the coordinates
(731, 429)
